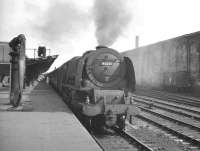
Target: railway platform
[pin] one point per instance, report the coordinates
(47, 125)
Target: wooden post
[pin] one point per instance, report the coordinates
(17, 69)
(131, 116)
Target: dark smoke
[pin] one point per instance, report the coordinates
(62, 20)
(111, 19)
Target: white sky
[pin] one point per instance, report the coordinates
(153, 20)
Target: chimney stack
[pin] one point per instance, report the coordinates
(136, 41)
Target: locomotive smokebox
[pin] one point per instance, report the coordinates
(100, 47)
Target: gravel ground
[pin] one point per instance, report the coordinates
(152, 136)
(114, 142)
(165, 141)
(182, 129)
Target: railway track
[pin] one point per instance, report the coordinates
(192, 112)
(147, 140)
(180, 128)
(118, 141)
(186, 100)
(130, 140)
(183, 133)
(175, 95)
(179, 119)
(158, 140)
(178, 140)
(194, 126)
(171, 113)
(143, 146)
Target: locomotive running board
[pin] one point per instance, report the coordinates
(93, 110)
(109, 101)
(122, 109)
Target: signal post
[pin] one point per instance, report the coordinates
(17, 69)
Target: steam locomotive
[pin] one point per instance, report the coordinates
(97, 86)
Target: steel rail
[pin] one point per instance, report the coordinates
(189, 139)
(133, 139)
(175, 95)
(154, 100)
(169, 108)
(97, 141)
(171, 119)
(186, 102)
(168, 96)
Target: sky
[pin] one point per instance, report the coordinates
(70, 27)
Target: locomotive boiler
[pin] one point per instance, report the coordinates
(98, 87)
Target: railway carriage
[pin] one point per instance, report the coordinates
(98, 87)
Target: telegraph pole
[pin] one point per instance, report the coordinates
(17, 69)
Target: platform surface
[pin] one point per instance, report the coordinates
(50, 126)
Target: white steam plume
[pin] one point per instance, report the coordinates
(63, 20)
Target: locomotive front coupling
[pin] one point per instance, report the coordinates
(109, 101)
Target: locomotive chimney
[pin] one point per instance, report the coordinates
(136, 41)
(100, 46)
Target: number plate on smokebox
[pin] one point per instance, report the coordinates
(106, 63)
